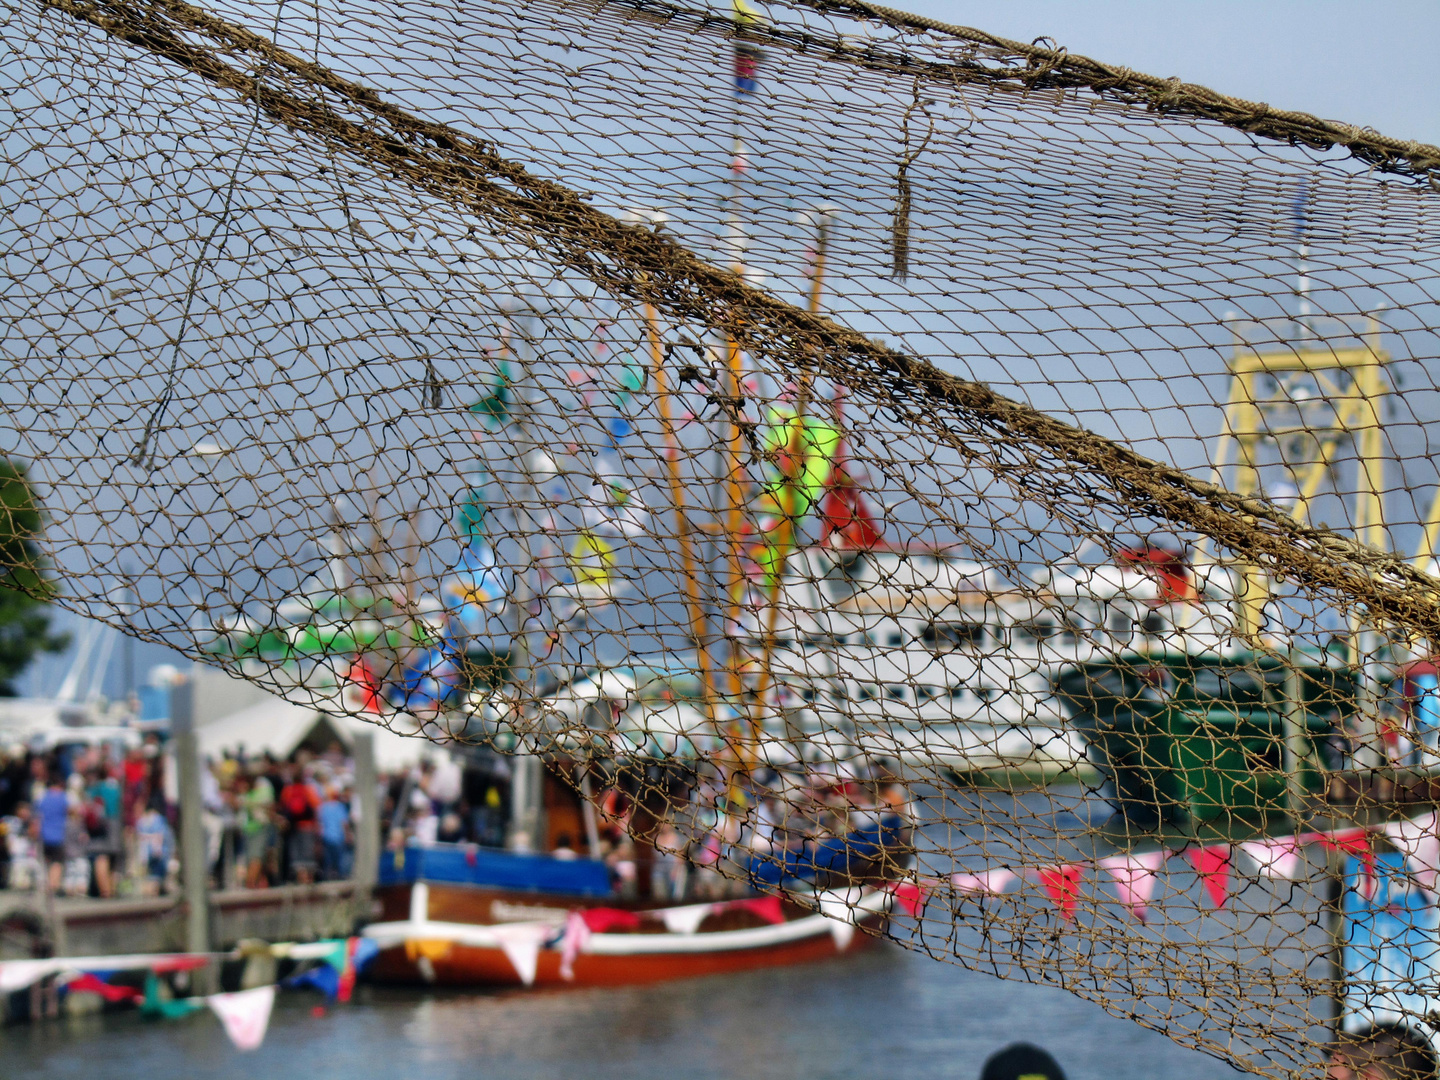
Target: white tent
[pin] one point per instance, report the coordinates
(279, 727)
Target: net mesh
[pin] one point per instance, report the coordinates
(899, 459)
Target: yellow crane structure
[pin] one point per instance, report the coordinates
(1297, 406)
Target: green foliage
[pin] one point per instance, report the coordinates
(25, 588)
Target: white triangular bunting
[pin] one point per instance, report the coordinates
(1277, 858)
(839, 908)
(245, 1015)
(687, 919)
(521, 943)
(1417, 840)
(1134, 879)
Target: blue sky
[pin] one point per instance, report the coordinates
(1367, 63)
(1362, 63)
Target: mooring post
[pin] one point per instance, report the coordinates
(366, 822)
(194, 872)
(1296, 747)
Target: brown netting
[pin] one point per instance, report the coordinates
(888, 453)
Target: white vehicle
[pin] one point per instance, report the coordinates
(932, 659)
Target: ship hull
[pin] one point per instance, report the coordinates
(477, 966)
(533, 952)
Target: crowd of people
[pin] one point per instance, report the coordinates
(104, 821)
(713, 838)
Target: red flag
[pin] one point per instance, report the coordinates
(767, 907)
(1062, 884)
(1213, 866)
(1353, 841)
(910, 897)
(602, 920)
(93, 984)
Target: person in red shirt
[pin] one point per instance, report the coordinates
(298, 804)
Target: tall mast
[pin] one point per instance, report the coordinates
(693, 601)
(746, 61)
(789, 493)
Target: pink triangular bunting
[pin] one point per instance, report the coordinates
(994, 882)
(1213, 866)
(244, 1014)
(1134, 879)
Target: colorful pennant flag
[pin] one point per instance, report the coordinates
(475, 589)
(1277, 858)
(1212, 864)
(802, 450)
(470, 516)
(910, 897)
(1418, 839)
(1062, 885)
(93, 984)
(1353, 841)
(493, 406)
(521, 943)
(592, 562)
(1135, 877)
(747, 57)
(993, 882)
(154, 1006)
(245, 1014)
(577, 934)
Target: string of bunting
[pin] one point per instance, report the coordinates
(1134, 875)
(330, 965)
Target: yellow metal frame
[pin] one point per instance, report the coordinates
(1356, 415)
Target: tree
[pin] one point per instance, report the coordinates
(25, 586)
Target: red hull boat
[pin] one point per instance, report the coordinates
(542, 940)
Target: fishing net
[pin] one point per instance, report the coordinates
(894, 456)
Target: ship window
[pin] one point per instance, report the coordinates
(985, 693)
(895, 639)
(808, 694)
(1230, 686)
(869, 691)
(957, 691)
(927, 693)
(1153, 623)
(896, 693)
(1036, 631)
(945, 636)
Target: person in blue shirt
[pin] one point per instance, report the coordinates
(51, 812)
(154, 846)
(334, 820)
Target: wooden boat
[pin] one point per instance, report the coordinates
(552, 940)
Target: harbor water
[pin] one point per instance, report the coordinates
(878, 1013)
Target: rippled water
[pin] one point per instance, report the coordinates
(880, 1013)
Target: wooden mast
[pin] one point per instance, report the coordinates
(682, 523)
(788, 492)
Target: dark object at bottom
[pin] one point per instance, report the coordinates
(1021, 1060)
